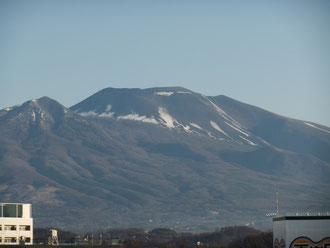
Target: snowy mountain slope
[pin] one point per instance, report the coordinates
(283, 132)
(173, 107)
(157, 157)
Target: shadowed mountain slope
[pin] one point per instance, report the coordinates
(280, 131)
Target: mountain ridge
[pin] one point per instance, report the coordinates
(130, 172)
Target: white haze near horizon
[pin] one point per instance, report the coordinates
(272, 54)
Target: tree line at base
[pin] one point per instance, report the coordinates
(227, 237)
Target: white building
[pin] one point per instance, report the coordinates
(301, 232)
(16, 223)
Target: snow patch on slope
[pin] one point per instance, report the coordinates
(224, 114)
(93, 113)
(108, 108)
(164, 93)
(167, 118)
(216, 127)
(43, 116)
(311, 125)
(136, 117)
(33, 116)
(210, 135)
(183, 92)
(196, 126)
(107, 112)
(249, 141)
(10, 108)
(89, 113)
(186, 128)
(106, 115)
(237, 129)
(217, 108)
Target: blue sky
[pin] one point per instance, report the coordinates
(272, 54)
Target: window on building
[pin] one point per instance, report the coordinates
(10, 240)
(10, 228)
(10, 210)
(0, 227)
(28, 240)
(19, 210)
(24, 228)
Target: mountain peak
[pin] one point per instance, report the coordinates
(129, 91)
(50, 104)
(172, 107)
(126, 101)
(175, 89)
(42, 112)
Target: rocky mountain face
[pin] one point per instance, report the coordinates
(159, 157)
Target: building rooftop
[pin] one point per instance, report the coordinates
(15, 210)
(303, 217)
(3, 203)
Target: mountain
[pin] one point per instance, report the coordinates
(159, 157)
(173, 107)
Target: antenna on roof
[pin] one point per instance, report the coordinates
(277, 203)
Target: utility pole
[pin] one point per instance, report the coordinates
(276, 203)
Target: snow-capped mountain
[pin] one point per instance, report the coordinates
(159, 157)
(220, 117)
(172, 107)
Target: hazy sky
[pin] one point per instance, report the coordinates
(272, 54)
